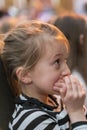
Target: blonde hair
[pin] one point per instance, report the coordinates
(24, 45)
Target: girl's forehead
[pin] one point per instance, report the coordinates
(59, 47)
(59, 44)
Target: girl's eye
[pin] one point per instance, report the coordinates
(57, 61)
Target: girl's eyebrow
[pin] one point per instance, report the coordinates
(59, 55)
(56, 56)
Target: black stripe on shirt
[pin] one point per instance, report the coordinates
(80, 123)
(22, 118)
(50, 126)
(63, 120)
(37, 122)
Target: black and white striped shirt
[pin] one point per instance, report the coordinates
(31, 114)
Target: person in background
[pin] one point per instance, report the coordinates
(6, 95)
(41, 10)
(79, 6)
(75, 29)
(34, 58)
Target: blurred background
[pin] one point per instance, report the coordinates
(12, 11)
(40, 9)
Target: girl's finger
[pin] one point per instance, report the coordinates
(68, 84)
(60, 89)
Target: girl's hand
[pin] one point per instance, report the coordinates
(73, 96)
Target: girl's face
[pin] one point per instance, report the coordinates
(50, 68)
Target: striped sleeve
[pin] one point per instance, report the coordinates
(82, 125)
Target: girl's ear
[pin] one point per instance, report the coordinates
(23, 77)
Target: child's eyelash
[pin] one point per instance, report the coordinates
(57, 61)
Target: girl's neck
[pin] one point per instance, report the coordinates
(41, 97)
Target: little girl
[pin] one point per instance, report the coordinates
(34, 57)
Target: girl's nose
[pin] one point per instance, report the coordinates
(65, 70)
